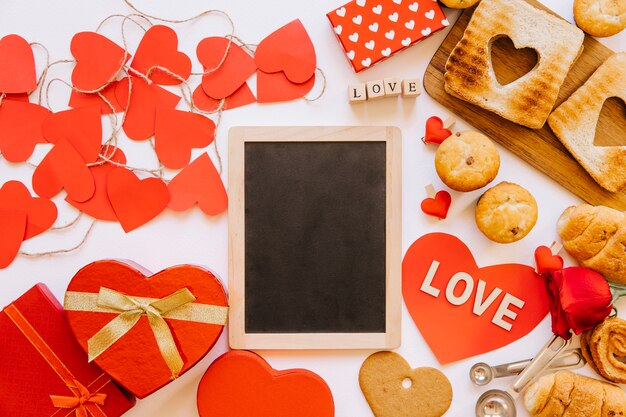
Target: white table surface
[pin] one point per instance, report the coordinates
(191, 237)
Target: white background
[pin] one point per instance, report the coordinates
(191, 237)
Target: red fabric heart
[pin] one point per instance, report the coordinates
(144, 99)
(241, 383)
(99, 206)
(159, 47)
(241, 97)
(546, 261)
(134, 361)
(13, 225)
(98, 60)
(40, 213)
(17, 72)
(437, 206)
(20, 129)
(233, 72)
(81, 127)
(435, 133)
(87, 100)
(135, 201)
(198, 183)
(61, 168)
(276, 87)
(290, 50)
(456, 332)
(177, 132)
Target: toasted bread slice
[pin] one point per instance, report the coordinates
(574, 122)
(528, 100)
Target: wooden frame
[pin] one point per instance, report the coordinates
(238, 338)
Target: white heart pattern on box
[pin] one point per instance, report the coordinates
(374, 27)
(414, 6)
(410, 24)
(377, 9)
(406, 42)
(430, 15)
(366, 62)
(354, 37)
(341, 12)
(370, 45)
(445, 22)
(360, 3)
(397, 1)
(350, 55)
(426, 31)
(390, 35)
(357, 19)
(338, 29)
(393, 17)
(386, 51)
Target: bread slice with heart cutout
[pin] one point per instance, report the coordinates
(575, 121)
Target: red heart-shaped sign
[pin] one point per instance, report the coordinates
(135, 201)
(20, 129)
(437, 206)
(290, 50)
(98, 60)
(17, 71)
(177, 132)
(275, 87)
(41, 213)
(462, 310)
(159, 48)
(241, 97)
(241, 383)
(13, 225)
(546, 261)
(223, 80)
(81, 127)
(198, 183)
(135, 361)
(435, 132)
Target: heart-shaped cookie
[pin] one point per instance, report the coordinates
(98, 60)
(17, 72)
(20, 129)
(435, 132)
(393, 389)
(41, 213)
(437, 206)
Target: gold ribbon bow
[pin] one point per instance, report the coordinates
(84, 403)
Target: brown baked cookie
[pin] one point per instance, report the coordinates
(600, 17)
(506, 213)
(393, 389)
(459, 4)
(467, 161)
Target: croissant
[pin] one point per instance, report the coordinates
(596, 237)
(565, 394)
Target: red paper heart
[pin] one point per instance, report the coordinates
(159, 48)
(241, 97)
(177, 132)
(456, 332)
(61, 168)
(435, 133)
(98, 60)
(81, 127)
(144, 99)
(241, 383)
(17, 72)
(17, 97)
(437, 206)
(135, 201)
(546, 261)
(87, 100)
(276, 87)
(40, 213)
(13, 225)
(99, 206)
(290, 50)
(233, 72)
(198, 183)
(135, 361)
(20, 129)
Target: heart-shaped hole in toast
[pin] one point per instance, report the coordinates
(611, 127)
(508, 62)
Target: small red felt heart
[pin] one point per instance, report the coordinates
(13, 225)
(159, 48)
(435, 132)
(240, 383)
(437, 206)
(241, 97)
(198, 183)
(81, 127)
(17, 72)
(40, 213)
(276, 87)
(135, 201)
(99, 206)
(20, 129)
(290, 50)
(177, 132)
(61, 168)
(231, 74)
(546, 261)
(144, 99)
(98, 60)
(87, 100)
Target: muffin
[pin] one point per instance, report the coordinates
(459, 4)
(467, 161)
(600, 17)
(506, 213)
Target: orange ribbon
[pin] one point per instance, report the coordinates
(83, 402)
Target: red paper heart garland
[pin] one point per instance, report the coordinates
(17, 72)
(98, 61)
(20, 129)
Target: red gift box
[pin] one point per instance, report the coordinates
(44, 371)
(373, 30)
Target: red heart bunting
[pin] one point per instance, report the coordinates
(98, 60)
(86, 100)
(241, 97)
(40, 213)
(20, 129)
(12, 224)
(81, 127)
(17, 72)
(276, 87)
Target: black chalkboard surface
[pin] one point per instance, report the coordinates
(313, 216)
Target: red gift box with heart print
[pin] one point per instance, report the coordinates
(44, 371)
(372, 30)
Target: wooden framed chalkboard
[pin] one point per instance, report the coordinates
(315, 237)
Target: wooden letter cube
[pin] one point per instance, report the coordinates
(411, 87)
(375, 89)
(393, 87)
(357, 93)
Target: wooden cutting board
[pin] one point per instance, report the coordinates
(540, 148)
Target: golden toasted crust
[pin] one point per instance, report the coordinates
(528, 100)
(574, 122)
(606, 346)
(600, 17)
(459, 4)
